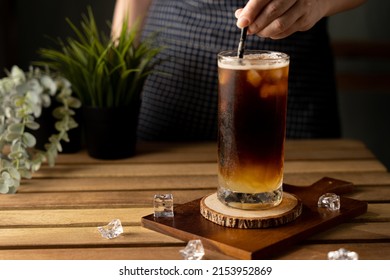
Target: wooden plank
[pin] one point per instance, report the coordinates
(366, 251)
(193, 169)
(359, 232)
(37, 185)
(373, 194)
(207, 152)
(376, 213)
(88, 237)
(127, 253)
(71, 217)
(128, 216)
(204, 157)
(136, 198)
(60, 237)
(357, 178)
(101, 200)
(120, 170)
(119, 183)
(120, 199)
(334, 166)
(328, 154)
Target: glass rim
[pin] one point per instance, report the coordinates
(232, 54)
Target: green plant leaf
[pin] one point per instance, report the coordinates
(24, 173)
(14, 173)
(65, 137)
(32, 125)
(7, 183)
(16, 155)
(103, 73)
(61, 125)
(16, 146)
(16, 128)
(11, 136)
(72, 123)
(73, 103)
(29, 140)
(3, 187)
(59, 112)
(51, 156)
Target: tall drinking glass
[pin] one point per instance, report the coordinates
(252, 107)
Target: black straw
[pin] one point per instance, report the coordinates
(241, 45)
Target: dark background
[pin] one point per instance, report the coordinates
(26, 26)
(361, 38)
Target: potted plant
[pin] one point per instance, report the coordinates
(107, 75)
(22, 98)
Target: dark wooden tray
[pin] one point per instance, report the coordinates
(188, 224)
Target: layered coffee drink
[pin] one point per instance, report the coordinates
(252, 122)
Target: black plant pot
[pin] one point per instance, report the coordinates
(110, 133)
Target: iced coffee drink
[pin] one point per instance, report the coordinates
(252, 122)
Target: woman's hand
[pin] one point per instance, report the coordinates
(277, 19)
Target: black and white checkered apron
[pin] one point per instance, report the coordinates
(182, 103)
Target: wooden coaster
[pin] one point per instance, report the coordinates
(214, 210)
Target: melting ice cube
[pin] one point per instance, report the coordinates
(342, 254)
(163, 205)
(330, 201)
(193, 251)
(112, 230)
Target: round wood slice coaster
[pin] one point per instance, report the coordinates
(215, 211)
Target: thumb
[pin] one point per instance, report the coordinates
(248, 14)
(242, 21)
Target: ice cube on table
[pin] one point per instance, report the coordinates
(193, 251)
(163, 205)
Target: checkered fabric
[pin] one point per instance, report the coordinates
(181, 104)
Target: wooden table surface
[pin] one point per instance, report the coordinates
(55, 215)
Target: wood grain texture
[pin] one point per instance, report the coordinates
(78, 237)
(287, 211)
(55, 215)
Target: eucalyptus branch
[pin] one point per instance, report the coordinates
(22, 96)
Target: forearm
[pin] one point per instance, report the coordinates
(333, 7)
(132, 10)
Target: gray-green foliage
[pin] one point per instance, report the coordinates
(103, 72)
(22, 97)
